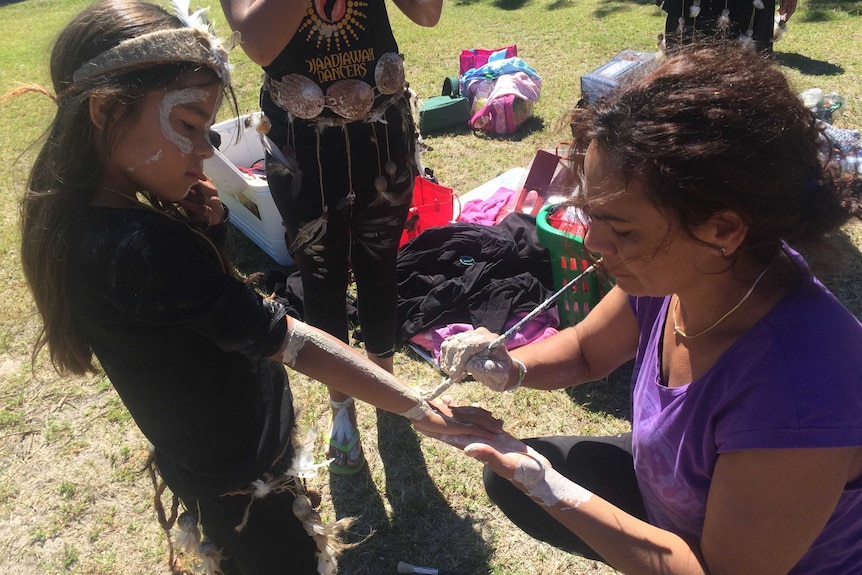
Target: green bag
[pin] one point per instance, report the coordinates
(446, 111)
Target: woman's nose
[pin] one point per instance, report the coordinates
(596, 241)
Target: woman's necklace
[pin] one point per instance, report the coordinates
(679, 331)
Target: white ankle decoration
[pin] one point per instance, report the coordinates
(341, 404)
(342, 428)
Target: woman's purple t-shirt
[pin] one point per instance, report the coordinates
(794, 380)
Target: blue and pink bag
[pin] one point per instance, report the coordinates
(508, 104)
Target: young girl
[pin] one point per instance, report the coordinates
(120, 245)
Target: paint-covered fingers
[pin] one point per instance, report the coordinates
(490, 372)
(456, 350)
(467, 352)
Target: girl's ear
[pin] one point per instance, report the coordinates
(727, 230)
(99, 110)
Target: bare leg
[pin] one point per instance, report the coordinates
(386, 363)
(344, 446)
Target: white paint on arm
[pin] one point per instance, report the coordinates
(299, 334)
(295, 338)
(547, 486)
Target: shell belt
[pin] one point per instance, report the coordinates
(352, 100)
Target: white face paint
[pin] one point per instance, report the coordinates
(154, 158)
(549, 487)
(169, 102)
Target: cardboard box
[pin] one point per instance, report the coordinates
(626, 66)
(247, 196)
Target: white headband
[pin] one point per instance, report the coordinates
(194, 43)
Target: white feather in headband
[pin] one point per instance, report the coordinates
(198, 20)
(195, 42)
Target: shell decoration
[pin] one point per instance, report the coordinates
(302, 97)
(389, 73)
(350, 99)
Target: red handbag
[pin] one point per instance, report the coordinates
(433, 205)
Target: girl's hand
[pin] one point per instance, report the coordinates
(202, 203)
(786, 9)
(448, 420)
(467, 352)
(468, 414)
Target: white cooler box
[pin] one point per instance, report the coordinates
(626, 66)
(247, 197)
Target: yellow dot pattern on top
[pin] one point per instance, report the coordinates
(337, 33)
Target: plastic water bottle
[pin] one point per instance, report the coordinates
(851, 164)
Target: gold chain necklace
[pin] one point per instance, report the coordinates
(679, 331)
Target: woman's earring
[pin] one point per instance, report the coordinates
(721, 249)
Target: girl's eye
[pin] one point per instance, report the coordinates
(620, 234)
(189, 127)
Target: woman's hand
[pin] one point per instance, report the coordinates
(467, 353)
(504, 454)
(202, 203)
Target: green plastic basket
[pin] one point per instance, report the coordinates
(568, 259)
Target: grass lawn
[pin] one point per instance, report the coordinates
(73, 499)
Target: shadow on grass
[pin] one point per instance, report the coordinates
(806, 65)
(607, 7)
(423, 529)
(531, 125)
(839, 268)
(827, 10)
(452, 131)
(248, 258)
(615, 6)
(609, 396)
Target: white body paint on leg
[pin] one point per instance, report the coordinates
(169, 102)
(548, 487)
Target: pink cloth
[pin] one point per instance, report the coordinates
(484, 210)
